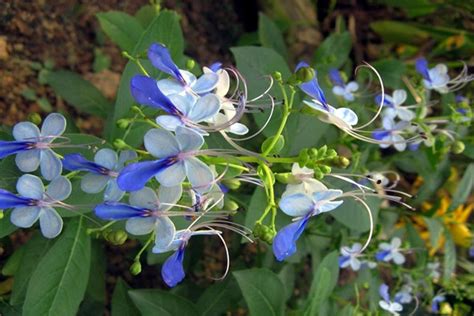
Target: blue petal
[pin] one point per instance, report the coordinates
(59, 189)
(53, 125)
(77, 162)
(215, 66)
(160, 57)
(311, 87)
(134, 176)
(188, 139)
(205, 108)
(116, 210)
(206, 83)
(25, 217)
(145, 198)
(172, 271)
(335, 77)
(342, 260)
(383, 291)
(26, 131)
(140, 225)
(8, 148)
(161, 143)
(199, 174)
(297, 204)
(106, 158)
(173, 175)
(50, 165)
(94, 183)
(380, 134)
(380, 256)
(145, 91)
(30, 186)
(422, 67)
(169, 122)
(51, 223)
(9, 200)
(284, 243)
(29, 160)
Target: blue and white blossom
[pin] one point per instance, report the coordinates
(303, 181)
(391, 134)
(434, 270)
(405, 295)
(437, 78)
(392, 307)
(394, 106)
(34, 203)
(391, 252)
(436, 302)
(340, 88)
(176, 161)
(350, 257)
(302, 207)
(32, 146)
(102, 172)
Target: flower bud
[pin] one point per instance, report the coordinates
(232, 184)
(120, 144)
(123, 123)
(230, 205)
(117, 238)
(257, 230)
(331, 154)
(34, 118)
(305, 74)
(446, 309)
(458, 147)
(325, 169)
(313, 153)
(303, 157)
(136, 109)
(318, 174)
(285, 178)
(190, 63)
(277, 76)
(136, 268)
(343, 162)
(2, 215)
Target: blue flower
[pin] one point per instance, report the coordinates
(343, 118)
(176, 162)
(349, 257)
(183, 81)
(391, 134)
(303, 207)
(386, 304)
(34, 202)
(436, 78)
(102, 173)
(340, 88)
(33, 147)
(435, 303)
(394, 106)
(404, 296)
(391, 251)
(146, 213)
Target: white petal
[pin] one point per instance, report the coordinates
(188, 139)
(94, 183)
(25, 217)
(140, 225)
(170, 86)
(53, 125)
(168, 196)
(50, 165)
(145, 197)
(399, 97)
(28, 161)
(338, 90)
(112, 191)
(298, 204)
(26, 131)
(30, 186)
(347, 115)
(205, 108)
(51, 223)
(165, 232)
(172, 176)
(199, 174)
(405, 114)
(169, 122)
(59, 189)
(161, 143)
(107, 158)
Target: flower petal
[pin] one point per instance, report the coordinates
(165, 232)
(329, 206)
(238, 129)
(399, 96)
(28, 161)
(169, 196)
(107, 158)
(205, 108)
(112, 191)
(199, 174)
(134, 176)
(30, 186)
(124, 157)
(405, 114)
(117, 210)
(50, 165)
(25, 217)
(347, 115)
(352, 86)
(54, 125)
(172, 176)
(169, 122)
(206, 83)
(326, 195)
(172, 271)
(145, 91)
(9, 200)
(170, 86)
(160, 57)
(338, 90)
(8, 148)
(26, 131)
(284, 243)
(59, 189)
(145, 198)
(161, 143)
(140, 225)
(298, 204)
(188, 139)
(77, 162)
(94, 183)
(422, 67)
(51, 223)
(311, 87)
(383, 292)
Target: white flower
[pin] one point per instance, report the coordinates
(391, 252)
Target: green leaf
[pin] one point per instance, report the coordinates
(218, 298)
(255, 63)
(59, 282)
(35, 249)
(324, 282)
(277, 148)
(353, 214)
(399, 32)
(121, 28)
(9, 173)
(158, 302)
(261, 289)
(435, 227)
(146, 14)
(6, 227)
(79, 92)
(334, 51)
(413, 8)
(270, 35)
(13, 262)
(391, 71)
(122, 304)
(449, 257)
(465, 187)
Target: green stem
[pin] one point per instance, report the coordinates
(148, 242)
